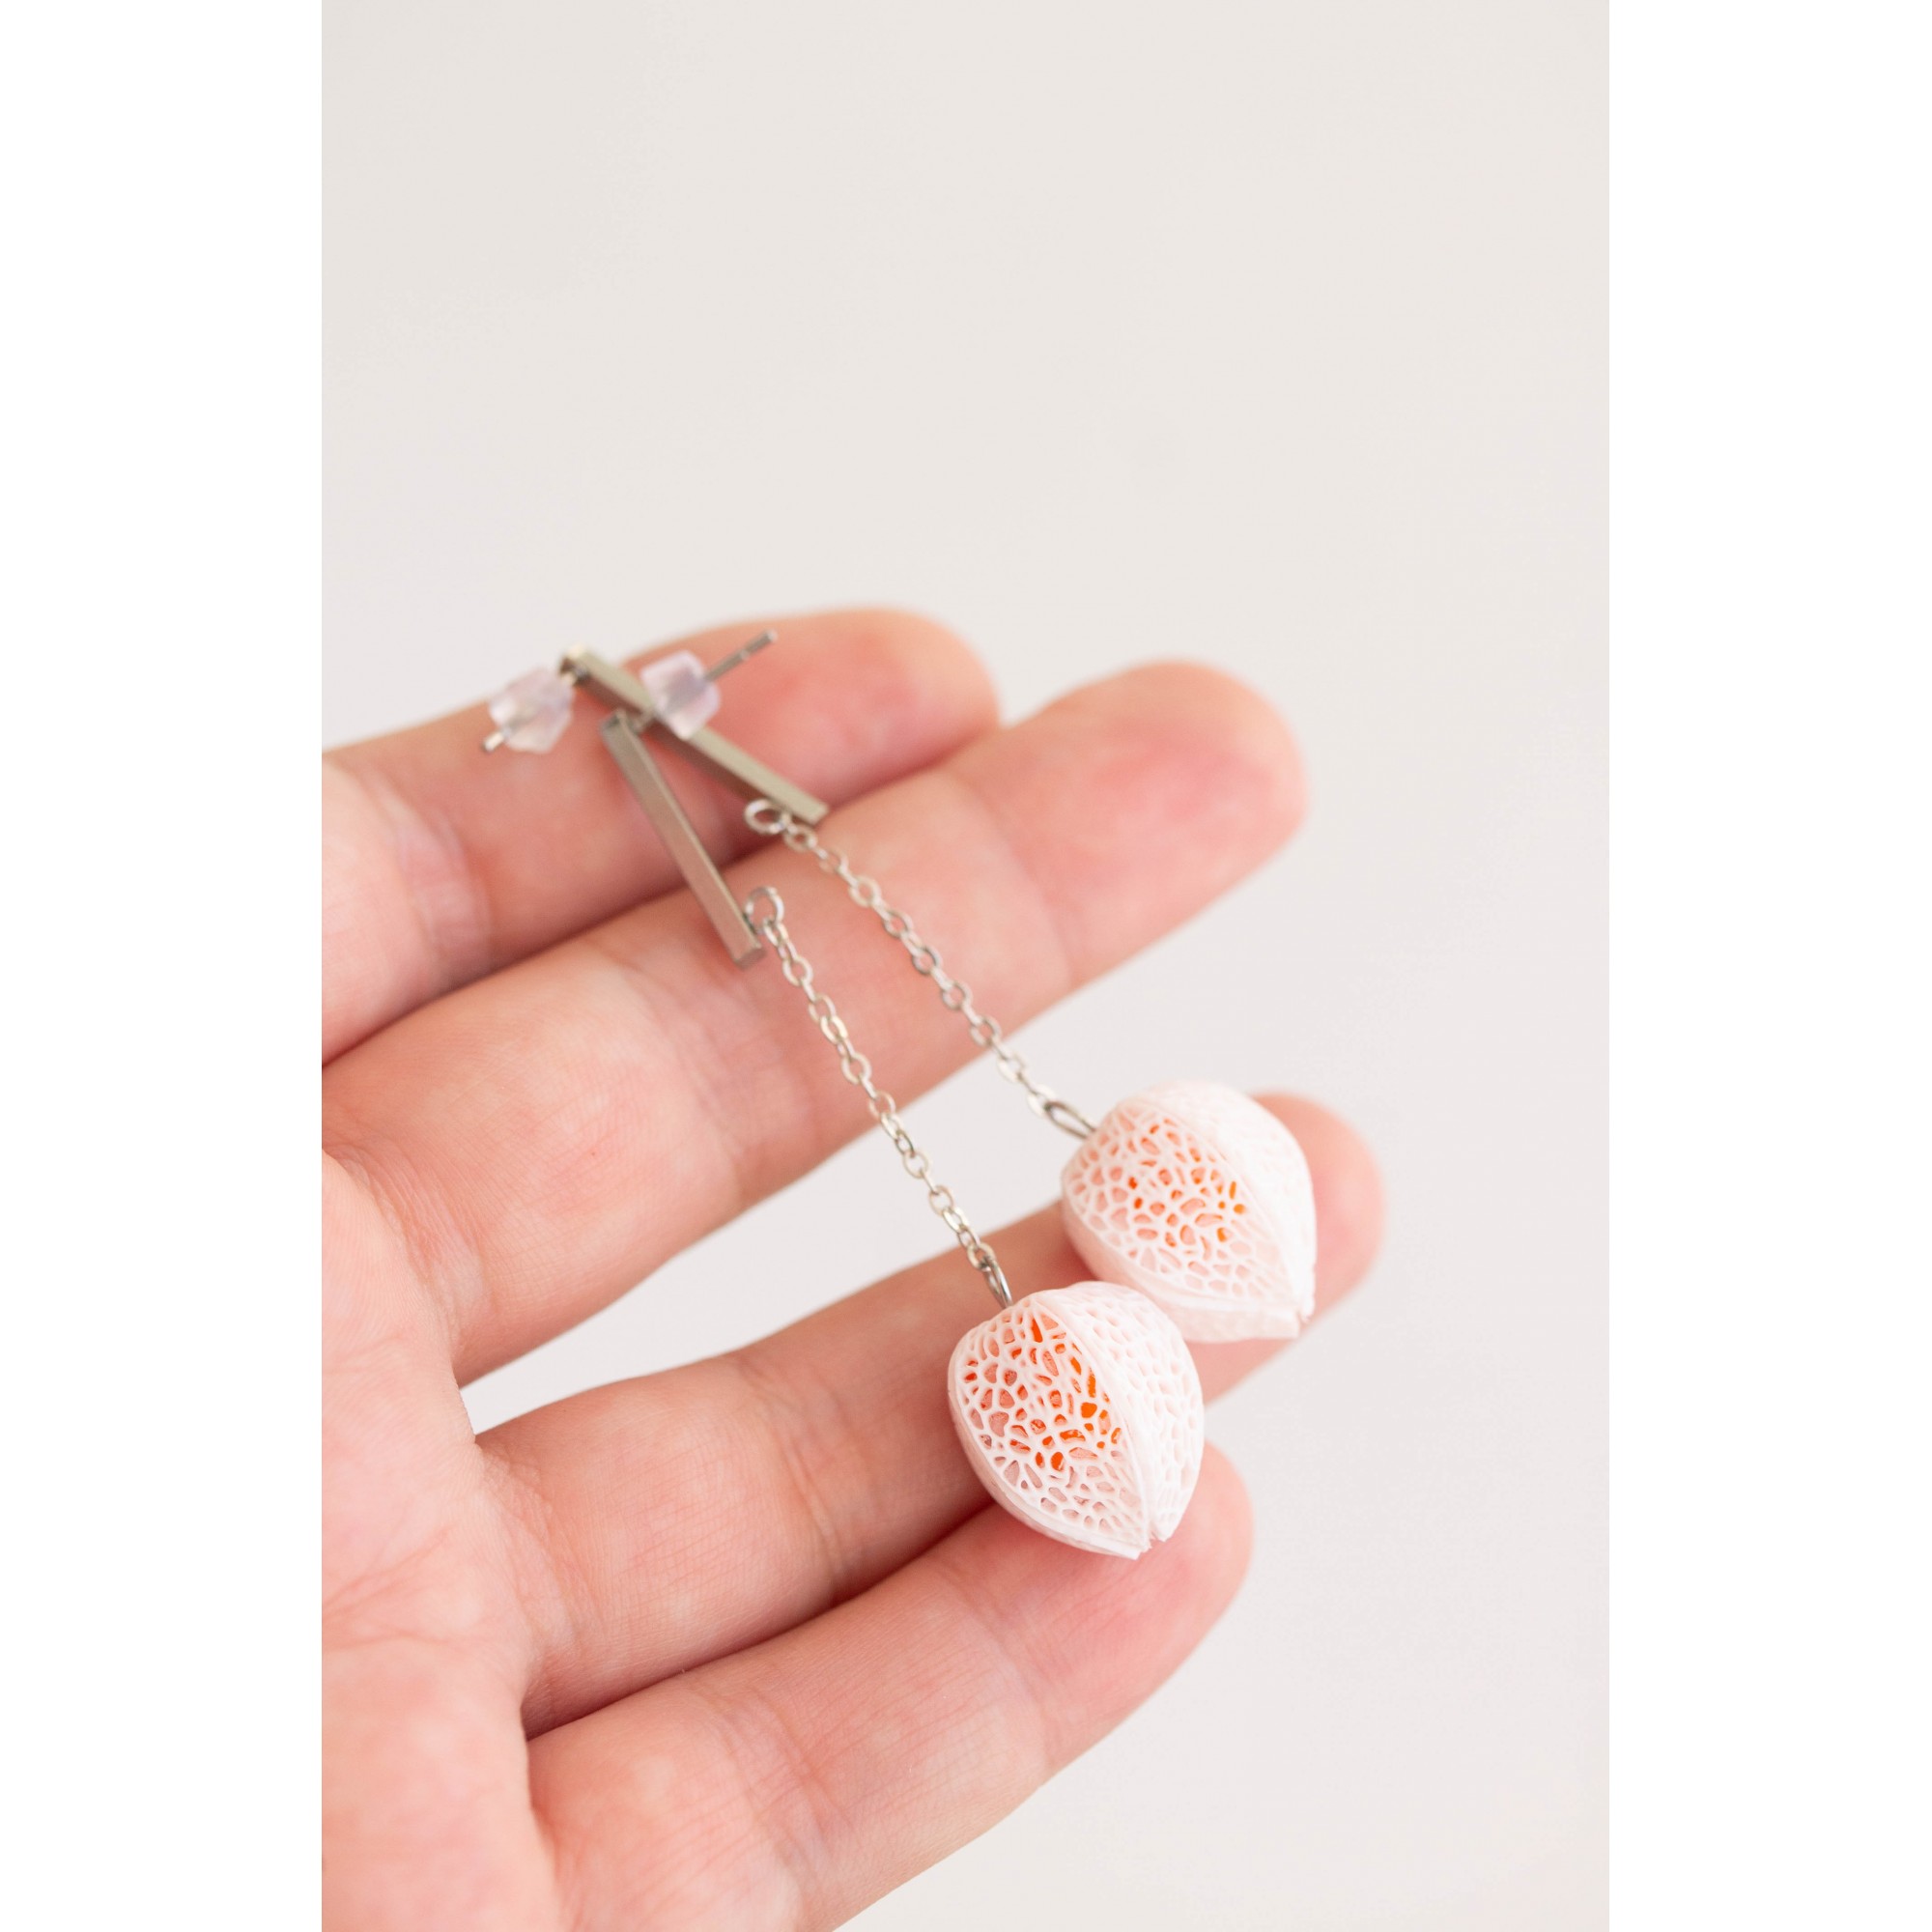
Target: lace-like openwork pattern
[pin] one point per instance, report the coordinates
(1199, 1197)
(1080, 1409)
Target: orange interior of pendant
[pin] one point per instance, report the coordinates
(1057, 1413)
(1200, 1197)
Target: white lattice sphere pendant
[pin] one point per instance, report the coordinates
(1080, 1409)
(1199, 1197)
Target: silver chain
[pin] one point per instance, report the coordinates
(955, 995)
(766, 910)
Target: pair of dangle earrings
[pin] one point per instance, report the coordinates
(1078, 1408)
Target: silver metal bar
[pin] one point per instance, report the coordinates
(743, 773)
(708, 750)
(654, 793)
(612, 683)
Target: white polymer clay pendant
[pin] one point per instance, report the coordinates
(1080, 1411)
(1200, 1197)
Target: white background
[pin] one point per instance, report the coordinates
(1272, 336)
(1772, 410)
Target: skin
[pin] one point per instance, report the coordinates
(742, 1643)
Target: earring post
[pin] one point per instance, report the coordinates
(741, 654)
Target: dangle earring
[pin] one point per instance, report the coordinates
(1191, 1192)
(1079, 1409)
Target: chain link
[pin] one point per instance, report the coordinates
(766, 910)
(955, 995)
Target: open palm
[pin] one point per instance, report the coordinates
(740, 1644)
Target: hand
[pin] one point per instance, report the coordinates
(742, 1644)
